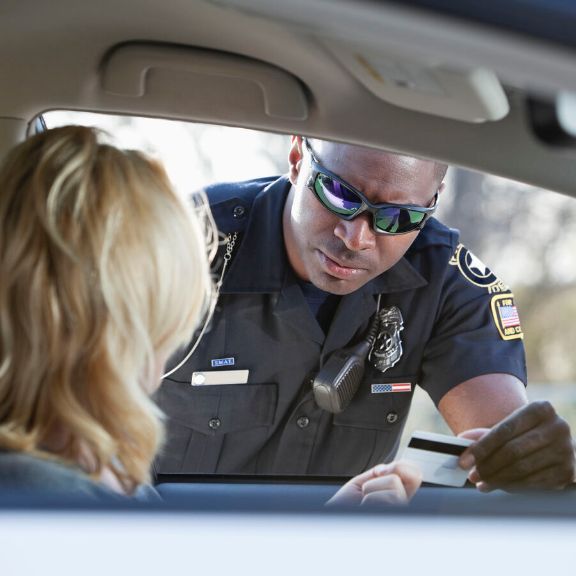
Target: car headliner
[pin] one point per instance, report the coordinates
(214, 61)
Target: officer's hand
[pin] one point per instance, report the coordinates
(393, 483)
(530, 449)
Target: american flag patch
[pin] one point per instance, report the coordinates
(385, 388)
(505, 316)
(509, 316)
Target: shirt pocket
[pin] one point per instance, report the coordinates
(368, 431)
(219, 409)
(379, 404)
(201, 422)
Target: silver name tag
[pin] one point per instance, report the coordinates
(219, 377)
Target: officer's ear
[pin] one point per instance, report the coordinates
(295, 158)
(440, 189)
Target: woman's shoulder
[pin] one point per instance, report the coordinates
(25, 472)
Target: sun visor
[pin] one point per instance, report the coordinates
(211, 82)
(474, 95)
(12, 131)
(553, 119)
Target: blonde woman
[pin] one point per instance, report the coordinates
(104, 273)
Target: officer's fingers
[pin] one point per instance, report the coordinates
(467, 459)
(516, 424)
(546, 445)
(473, 476)
(521, 454)
(516, 470)
(553, 478)
(560, 466)
(385, 489)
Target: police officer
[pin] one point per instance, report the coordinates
(315, 259)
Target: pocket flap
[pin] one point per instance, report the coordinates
(378, 411)
(219, 409)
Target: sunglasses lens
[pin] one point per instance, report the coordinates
(335, 196)
(398, 220)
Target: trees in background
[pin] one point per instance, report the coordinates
(528, 237)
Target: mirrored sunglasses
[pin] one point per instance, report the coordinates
(347, 202)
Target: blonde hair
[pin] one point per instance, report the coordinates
(104, 271)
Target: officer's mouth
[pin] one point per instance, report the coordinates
(334, 268)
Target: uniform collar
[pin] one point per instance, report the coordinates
(402, 276)
(262, 266)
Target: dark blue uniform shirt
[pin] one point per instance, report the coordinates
(459, 322)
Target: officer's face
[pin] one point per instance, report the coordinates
(340, 256)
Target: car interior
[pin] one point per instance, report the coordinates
(485, 88)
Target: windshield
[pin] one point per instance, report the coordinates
(510, 226)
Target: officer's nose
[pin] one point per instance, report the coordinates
(357, 234)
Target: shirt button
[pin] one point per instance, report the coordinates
(303, 422)
(391, 417)
(239, 211)
(214, 423)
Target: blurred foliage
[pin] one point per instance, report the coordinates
(527, 236)
(547, 315)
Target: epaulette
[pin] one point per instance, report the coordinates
(435, 233)
(231, 202)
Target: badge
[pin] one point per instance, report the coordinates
(506, 317)
(387, 348)
(475, 271)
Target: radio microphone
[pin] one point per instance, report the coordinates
(339, 379)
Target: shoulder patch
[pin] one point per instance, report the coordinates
(475, 271)
(506, 317)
